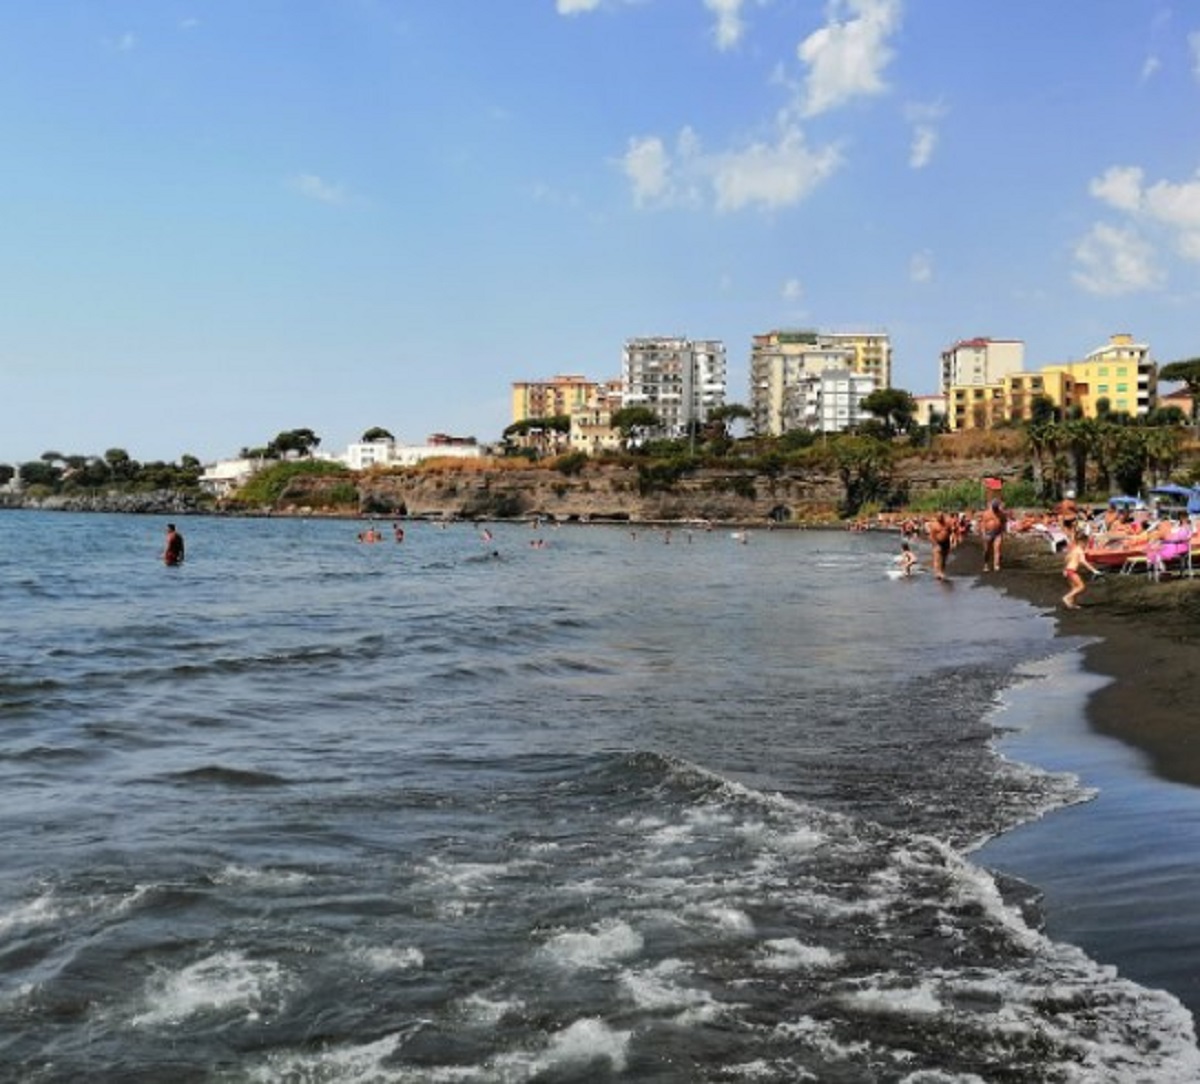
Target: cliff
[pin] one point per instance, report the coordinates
(610, 492)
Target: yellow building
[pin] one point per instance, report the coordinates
(560, 396)
(1120, 372)
(974, 406)
(1022, 390)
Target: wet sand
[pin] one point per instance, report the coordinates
(1147, 642)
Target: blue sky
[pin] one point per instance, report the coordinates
(220, 219)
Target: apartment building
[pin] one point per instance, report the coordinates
(978, 362)
(559, 396)
(785, 363)
(828, 402)
(1120, 372)
(681, 380)
(591, 428)
(973, 372)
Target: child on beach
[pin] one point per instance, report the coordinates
(1076, 559)
(906, 559)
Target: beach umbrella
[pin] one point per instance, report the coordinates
(1172, 490)
(1189, 494)
(1129, 502)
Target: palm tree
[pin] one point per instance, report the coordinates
(1162, 446)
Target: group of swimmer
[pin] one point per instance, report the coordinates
(374, 534)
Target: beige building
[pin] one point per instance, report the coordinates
(980, 362)
(591, 428)
(784, 363)
(930, 408)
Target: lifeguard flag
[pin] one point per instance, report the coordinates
(992, 483)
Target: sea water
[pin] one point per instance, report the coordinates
(628, 805)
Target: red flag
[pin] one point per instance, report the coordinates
(992, 483)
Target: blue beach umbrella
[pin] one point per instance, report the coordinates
(1184, 493)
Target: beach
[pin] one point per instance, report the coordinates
(1118, 874)
(1145, 636)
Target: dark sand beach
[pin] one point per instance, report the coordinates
(1118, 875)
(1146, 637)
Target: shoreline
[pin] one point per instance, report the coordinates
(1116, 875)
(1144, 639)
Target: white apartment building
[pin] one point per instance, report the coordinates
(829, 401)
(977, 362)
(681, 380)
(785, 371)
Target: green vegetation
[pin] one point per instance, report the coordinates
(571, 464)
(114, 472)
(271, 483)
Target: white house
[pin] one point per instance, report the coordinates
(387, 453)
(226, 475)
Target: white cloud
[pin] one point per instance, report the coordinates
(771, 176)
(1174, 205)
(1114, 261)
(1120, 187)
(920, 267)
(1169, 207)
(793, 290)
(647, 164)
(924, 117)
(924, 140)
(314, 187)
(576, 7)
(729, 28)
(847, 56)
(1150, 67)
(767, 175)
(1193, 41)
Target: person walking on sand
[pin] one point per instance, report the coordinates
(992, 525)
(940, 533)
(1076, 559)
(173, 553)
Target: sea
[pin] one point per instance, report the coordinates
(578, 803)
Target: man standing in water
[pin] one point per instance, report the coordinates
(173, 554)
(939, 535)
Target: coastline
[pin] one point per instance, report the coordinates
(1143, 637)
(1116, 875)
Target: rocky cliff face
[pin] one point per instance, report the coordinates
(622, 492)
